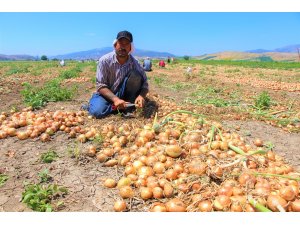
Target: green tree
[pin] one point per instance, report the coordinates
(186, 57)
(44, 57)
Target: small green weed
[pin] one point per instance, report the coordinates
(49, 156)
(16, 70)
(75, 152)
(210, 95)
(201, 73)
(67, 74)
(38, 97)
(158, 80)
(269, 145)
(38, 197)
(263, 101)
(98, 139)
(44, 176)
(3, 179)
(177, 86)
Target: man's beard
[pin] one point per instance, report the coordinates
(122, 53)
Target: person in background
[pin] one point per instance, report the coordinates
(120, 81)
(62, 63)
(168, 59)
(147, 64)
(161, 63)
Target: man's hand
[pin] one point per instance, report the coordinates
(139, 101)
(120, 103)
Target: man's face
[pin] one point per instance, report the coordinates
(122, 47)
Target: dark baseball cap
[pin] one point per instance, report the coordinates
(125, 34)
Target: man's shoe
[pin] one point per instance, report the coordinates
(84, 107)
(128, 115)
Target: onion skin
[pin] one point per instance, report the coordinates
(175, 205)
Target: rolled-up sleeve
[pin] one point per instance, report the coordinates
(102, 75)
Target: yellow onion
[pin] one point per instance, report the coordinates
(91, 151)
(247, 179)
(171, 174)
(173, 151)
(168, 190)
(81, 138)
(11, 131)
(120, 206)
(236, 207)
(274, 202)
(124, 181)
(126, 192)
(197, 167)
(228, 191)
(222, 202)
(45, 137)
(158, 192)
(129, 170)
(159, 168)
(146, 193)
(101, 157)
(110, 183)
(137, 164)
(158, 207)
(258, 142)
(111, 162)
(145, 171)
(205, 206)
(22, 135)
(175, 205)
(287, 193)
(124, 159)
(295, 205)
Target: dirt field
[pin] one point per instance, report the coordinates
(171, 89)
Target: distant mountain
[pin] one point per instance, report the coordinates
(16, 57)
(286, 49)
(289, 49)
(249, 56)
(98, 52)
(258, 51)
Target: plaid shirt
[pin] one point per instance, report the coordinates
(110, 73)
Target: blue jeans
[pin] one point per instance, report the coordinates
(129, 90)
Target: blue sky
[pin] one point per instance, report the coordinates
(184, 33)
